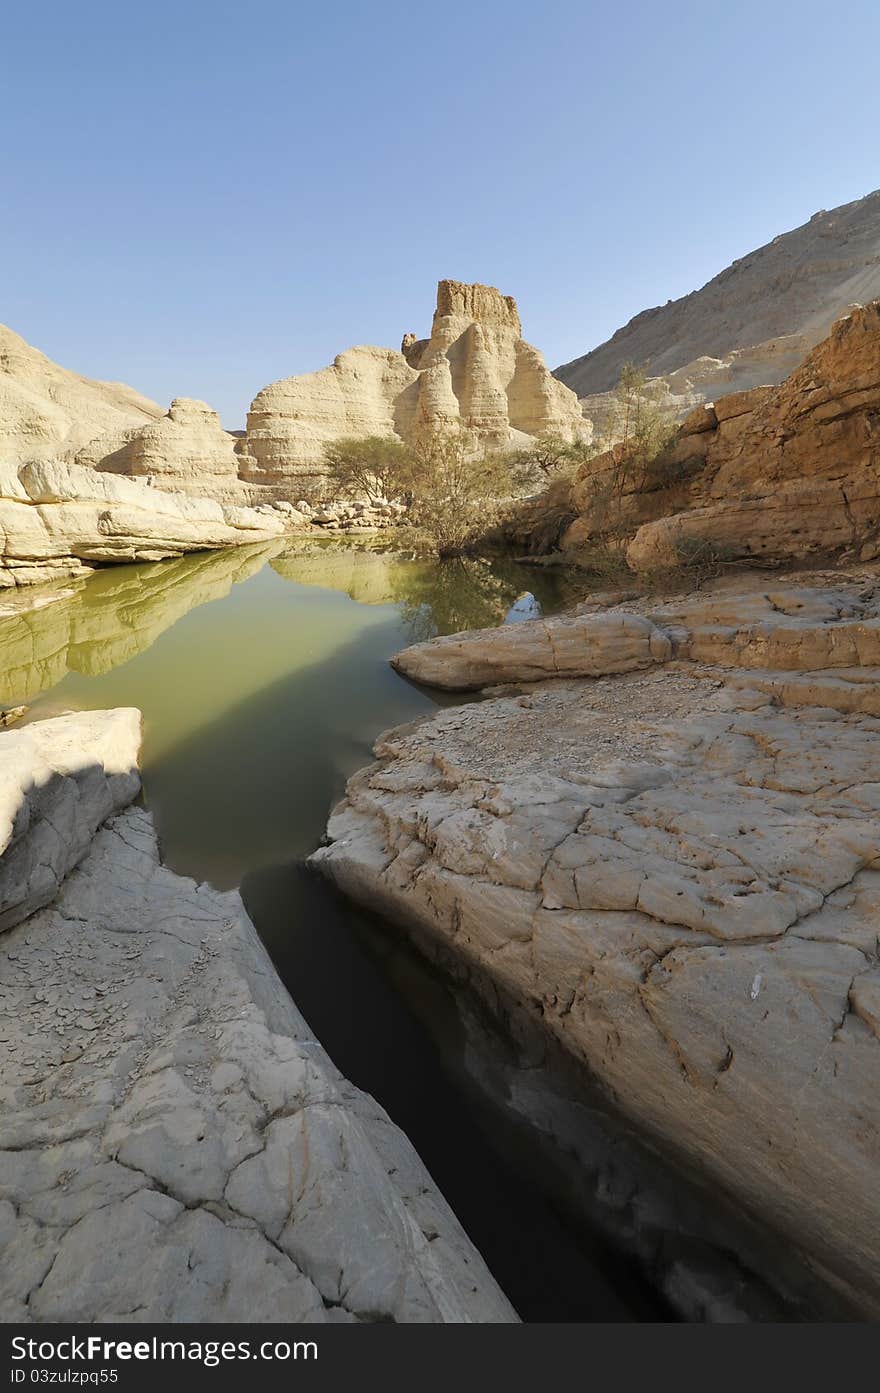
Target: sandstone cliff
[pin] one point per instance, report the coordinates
(754, 322)
(774, 473)
(46, 411)
(474, 371)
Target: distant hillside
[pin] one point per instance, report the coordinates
(796, 285)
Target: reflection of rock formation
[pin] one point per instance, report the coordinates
(46, 410)
(434, 596)
(474, 371)
(186, 451)
(53, 517)
(117, 615)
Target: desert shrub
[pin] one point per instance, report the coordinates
(457, 492)
(373, 467)
(549, 459)
(638, 433)
(697, 559)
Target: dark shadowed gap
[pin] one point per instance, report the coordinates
(399, 1037)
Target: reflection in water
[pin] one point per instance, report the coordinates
(257, 706)
(435, 597)
(263, 687)
(525, 607)
(101, 622)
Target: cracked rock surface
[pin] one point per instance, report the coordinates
(174, 1144)
(677, 871)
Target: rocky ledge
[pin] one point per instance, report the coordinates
(664, 849)
(58, 519)
(174, 1143)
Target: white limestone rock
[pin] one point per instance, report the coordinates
(45, 410)
(476, 371)
(69, 515)
(174, 1143)
(59, 780)
(674, 871)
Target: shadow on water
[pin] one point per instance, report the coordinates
(373, 1025)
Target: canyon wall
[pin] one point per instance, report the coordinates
(57, 519)
(750, 325)
(775, 473)
(45, 410)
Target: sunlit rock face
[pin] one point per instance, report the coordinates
(475, 371)
(777, 473)
(166, 1109)
(45, 410)
(667, 855)
(185, 451)
(56, 518)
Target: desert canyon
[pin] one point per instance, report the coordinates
(626, 825)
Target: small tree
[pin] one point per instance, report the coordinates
(373, 468)
(456, 492)
(549, 459)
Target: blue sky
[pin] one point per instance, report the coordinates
(201, 197)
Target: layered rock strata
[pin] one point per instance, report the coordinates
(673, 870)
(185, 451)
(46, 411)
(54, 518)
(777, 473)
(751, 324)
(474, 372)
(174, 1143)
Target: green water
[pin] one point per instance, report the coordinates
(262, 676)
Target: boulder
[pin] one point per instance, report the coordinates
(582, 645)
(59, 780)
(673, 872)
(60, 516)
(174, 1143)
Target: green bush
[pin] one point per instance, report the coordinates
(375, 467)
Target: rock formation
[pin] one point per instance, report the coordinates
(673, 870)
(753, 323)
(174, 1143)
(775, 473)
(475, 371)
(185, 451)
(55, 517)
(47, 412)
